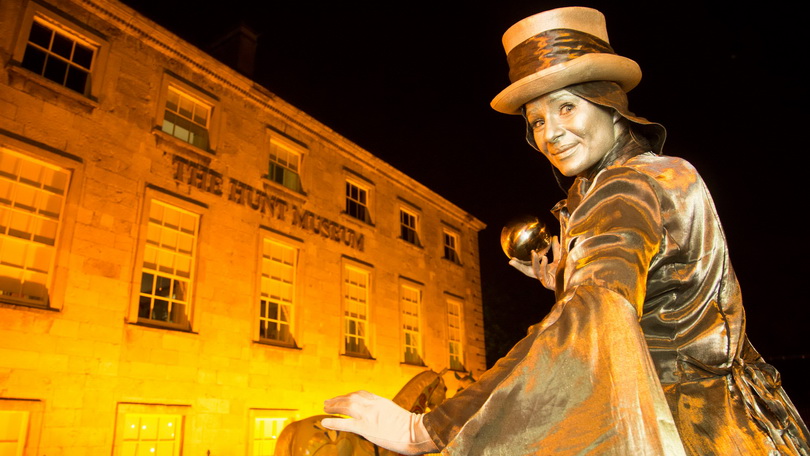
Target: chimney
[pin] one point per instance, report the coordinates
(237, 49)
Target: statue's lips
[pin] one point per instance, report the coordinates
(563, 151)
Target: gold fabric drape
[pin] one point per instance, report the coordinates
(645, 351)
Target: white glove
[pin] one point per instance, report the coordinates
(380, 421)
(540, 268)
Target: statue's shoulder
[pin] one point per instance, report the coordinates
(674, 177)
(664, 168)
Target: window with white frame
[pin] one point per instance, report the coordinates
(410, 305)
(408, 226)
(32, 198)
(187, 117)
(285, 163)
(20, 426)
(356, 291)
(278, 272)
(357, 201)
(149, 429)
(59, 54)
(13, 431)
(266, 426)
(151, 434)
(451, 244)
(455, 332)
(167, 271)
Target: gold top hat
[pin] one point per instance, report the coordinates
(557, 48)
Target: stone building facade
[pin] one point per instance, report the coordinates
(188, 262)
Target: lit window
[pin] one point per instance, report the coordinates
(20, 426)
(277, 292)
(455, 331)
(408, 226)
(410, 302)
(13, 430)
(151, 434)
(285, 162)
(32, 195)
(58, 55)
(265, 435)
(356, 305)
(187, 118)
(166, 276)
(357, 202)
(451, 247)
(265, 428)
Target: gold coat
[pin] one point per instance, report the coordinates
(644, 352)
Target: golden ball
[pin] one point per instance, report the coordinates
(523, 235)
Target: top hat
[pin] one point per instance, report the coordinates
(558, 48)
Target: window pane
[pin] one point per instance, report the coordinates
(55, 70)
(29, 223)
(167, 264)
(40, 35)
(83, 56)
(148, 428)
(147, 281)
(355, 292)
(34, 59)
(151, 434)
(455, 334)
(62, 46)
(186, 107)
(186, 119)
(283, 166)
(76, 79)
(54, 181)
(172, 100)
(58, 57)
(410, 302)
(200, 115)
(356, 202)
(160, 310)
(277, 286)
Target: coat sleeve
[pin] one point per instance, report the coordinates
(582, 380)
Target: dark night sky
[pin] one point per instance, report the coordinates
(411, 82)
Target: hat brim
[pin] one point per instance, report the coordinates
(589, 67)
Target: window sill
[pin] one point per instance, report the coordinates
(163, 139)
(358, 356)
(270, 343)
(355, 220)
(407, 242)
(457, 263)
(274, 186)
(145, 324)
(8, 303)
(34, 84)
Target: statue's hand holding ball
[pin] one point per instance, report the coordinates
(525, 240)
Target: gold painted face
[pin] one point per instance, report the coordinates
(573, 133)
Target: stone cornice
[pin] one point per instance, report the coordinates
(169, 44)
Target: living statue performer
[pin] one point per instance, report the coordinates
(645, 350)
(307, 437)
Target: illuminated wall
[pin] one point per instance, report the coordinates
(187, 262)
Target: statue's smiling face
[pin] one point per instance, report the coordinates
(573, 133)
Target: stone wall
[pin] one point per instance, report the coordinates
(80, 364)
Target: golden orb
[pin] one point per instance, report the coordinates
(522, 235)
